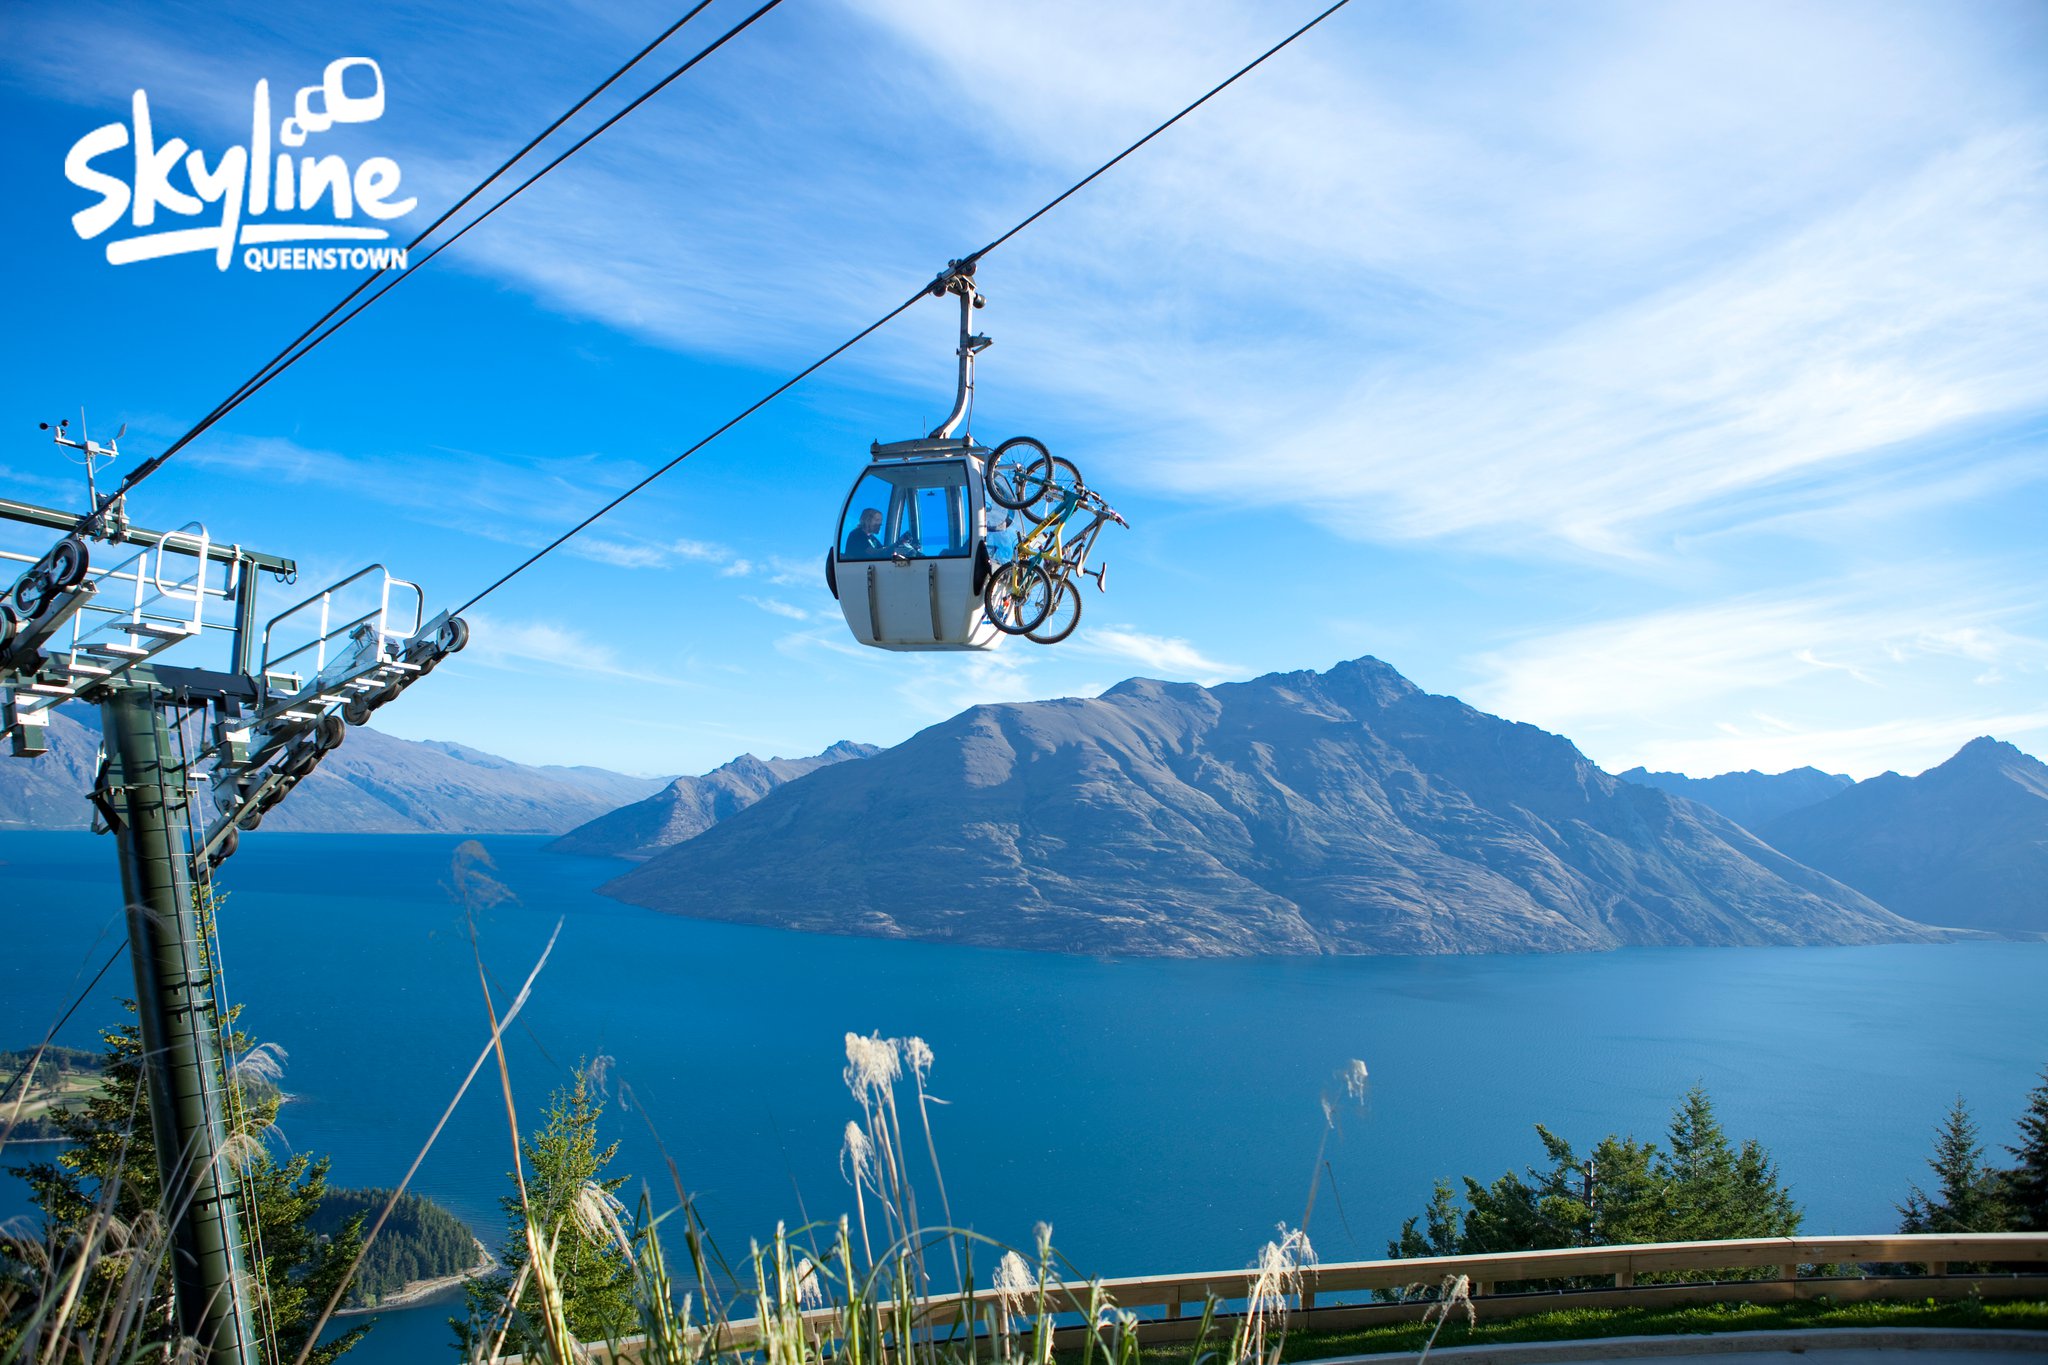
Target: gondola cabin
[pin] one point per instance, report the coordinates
(910, 555)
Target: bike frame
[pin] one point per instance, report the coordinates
(1046, 545)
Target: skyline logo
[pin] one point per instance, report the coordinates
(246, 183)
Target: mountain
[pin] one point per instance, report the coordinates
(1748, 798)
(1342, 812)
(49, 792)
(690, 805)
(373, 784)
(1963, 844)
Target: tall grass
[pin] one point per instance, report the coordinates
(864, 1289)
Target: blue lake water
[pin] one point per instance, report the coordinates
(1160, 1114)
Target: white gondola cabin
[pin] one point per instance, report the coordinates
(910, 557)
(910, 554)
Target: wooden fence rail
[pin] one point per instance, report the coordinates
(1170, 1306)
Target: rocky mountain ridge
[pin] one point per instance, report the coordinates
(1964, 844)
(1748, 798)
(1341, 812)
(690, 805)
(373, 784)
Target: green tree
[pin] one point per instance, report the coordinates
(1967, 1195)
(1702, 1188)
(2026, 1185)
(1717, 1190)
(420, 1240)
(1437, 1231)
(571, 1206)
(109, 1171)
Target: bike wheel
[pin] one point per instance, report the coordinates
(1006, 471)
(1061, 617)
(1018, 597)
(1051, 479)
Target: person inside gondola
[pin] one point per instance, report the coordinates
(865, 540)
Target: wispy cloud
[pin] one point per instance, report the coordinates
(1913, 312)
(1909, 744)
(1763, 674)
(943, 685)
(1161, 656)
(775, 606)
(547, 648)
(784, 572)
(512, 501)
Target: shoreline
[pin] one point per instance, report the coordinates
(415, 1292)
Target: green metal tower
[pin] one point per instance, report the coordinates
(191, 758)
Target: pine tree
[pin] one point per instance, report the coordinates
(1630, 1199)
(2026, 1185)
(1437, 1231)
(1717, 1190)
(1967, 1197)
(573, 1211)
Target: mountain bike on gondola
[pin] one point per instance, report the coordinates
(1033, 592)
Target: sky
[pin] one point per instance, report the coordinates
(1670, 376)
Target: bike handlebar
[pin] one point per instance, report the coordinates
(1095, 500)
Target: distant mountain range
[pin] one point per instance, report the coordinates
(1343, 812)
(373, 784)
(690, 805)
(1965, 843)
(1748, 798)
(49, 792)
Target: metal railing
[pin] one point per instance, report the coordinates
(377, 617)
(179, 605)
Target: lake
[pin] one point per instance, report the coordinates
(1162, 1115)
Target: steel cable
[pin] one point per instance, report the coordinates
(890, 316)
(298, 348)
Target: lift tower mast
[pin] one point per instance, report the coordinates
(70, 630)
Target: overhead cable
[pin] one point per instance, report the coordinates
(301, 345)
(965, 265)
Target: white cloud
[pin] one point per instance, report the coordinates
(547, 648)
(939, 686)
(784, 572)
(620, 554)
(775, 606)
(701, 551)
(1913, 312)
(1910, 744)
(1161, 656)
(1834, 668)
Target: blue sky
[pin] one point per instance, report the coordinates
(1671, 376)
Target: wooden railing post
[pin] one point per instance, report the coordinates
(1173, 1303)
(1624, 1278)
(1937, 1267)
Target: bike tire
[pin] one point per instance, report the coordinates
(1006, 472)
(1017, 598)
(1051, 479)
(1058, 625)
